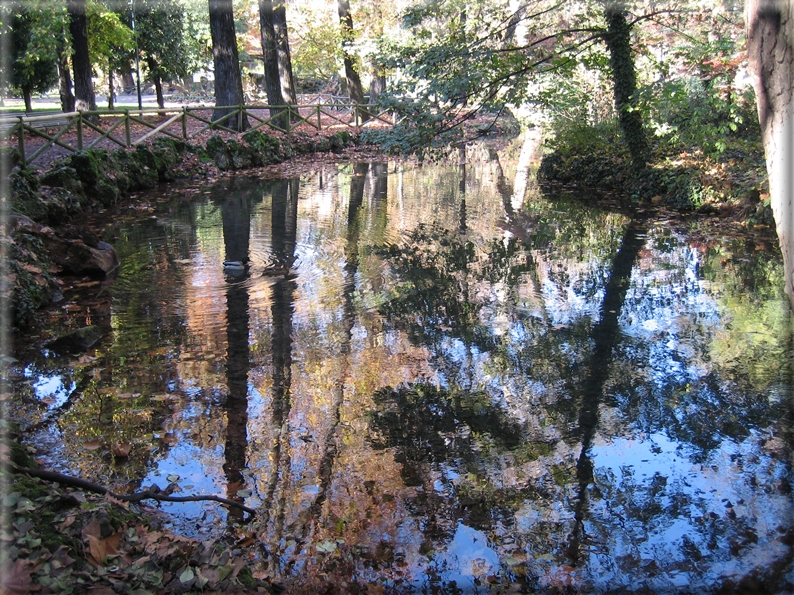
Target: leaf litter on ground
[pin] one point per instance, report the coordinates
(61, 540)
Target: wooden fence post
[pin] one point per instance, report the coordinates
(79, 131)
(127, 127)
(319, 117)
(21, 139)
(184, 122)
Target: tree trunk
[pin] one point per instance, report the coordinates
(770, 52)
(28, 101)
(283, 54)
(158, 89)
(111, 90)
(354, 88)
(228, 80)
(270, 57)
(81, 62)
(65, 81)
(377, 86)
(624, 80)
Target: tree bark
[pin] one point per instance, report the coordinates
(624, 80)
(283, 54)
(65, 81)
(270, 57)
(770, 53)
(158, 89)
(354, 89)
(111, 90)
(81, 62)
(28, 100)
(377, 86)
(228, 80)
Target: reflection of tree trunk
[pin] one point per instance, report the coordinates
(462, 192)
(236, 214)
(330, 440)
(284, 231)
(237, 365)
(605, 337)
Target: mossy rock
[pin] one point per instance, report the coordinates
(167, 154)
(267, 149)
(23, 187)
(76, 341)
(219, 151)
(136, 174)
(62, 176)
(87, 166)
(241, 155)
(340, 140)
(11, 156)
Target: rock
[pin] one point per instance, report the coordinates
(76, 341)
(73, 255)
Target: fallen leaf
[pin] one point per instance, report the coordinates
(91, 444)
(100, 548)
(16, 578)
(30, 268)
(121, 449)
(186, 576)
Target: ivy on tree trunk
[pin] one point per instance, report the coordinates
(624, 80)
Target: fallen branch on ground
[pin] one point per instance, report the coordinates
(147, 494)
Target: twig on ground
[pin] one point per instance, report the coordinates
(147, 494)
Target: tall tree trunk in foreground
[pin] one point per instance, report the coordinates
(624, 80)
(83, 87)
(65, 81)
(283, 53)
(770, 52)
(228, 80)
(272, 79)
(354, 88)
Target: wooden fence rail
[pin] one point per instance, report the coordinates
(117, 126)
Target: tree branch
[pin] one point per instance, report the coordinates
(147, 494)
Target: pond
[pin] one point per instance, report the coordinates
(438, 379)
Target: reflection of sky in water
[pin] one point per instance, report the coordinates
(467, 559)
(50, 387)
(652, 499)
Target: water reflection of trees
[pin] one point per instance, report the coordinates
(583, 367)
(501, 386)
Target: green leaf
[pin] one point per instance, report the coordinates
(186, 576)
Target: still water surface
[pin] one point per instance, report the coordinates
(437, 380)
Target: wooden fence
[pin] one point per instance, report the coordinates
(130, 127)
